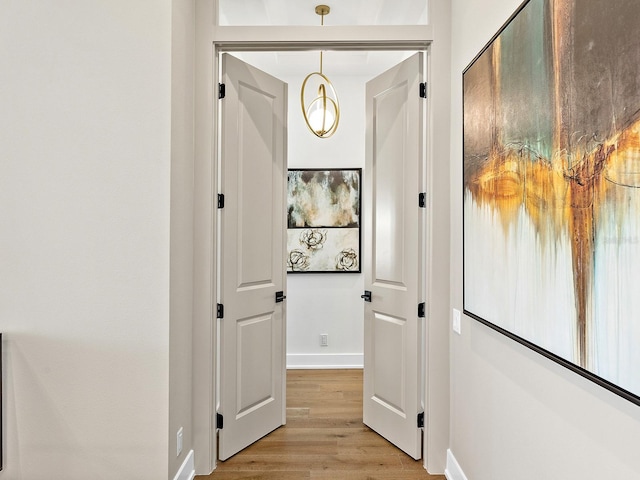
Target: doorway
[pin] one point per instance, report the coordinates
(252, 172)
(328, 304)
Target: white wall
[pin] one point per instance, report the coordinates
(182, 230)
(515, 414)
(84, 249)
(326, 303)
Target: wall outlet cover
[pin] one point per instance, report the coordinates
(179, 441)
(456, 321)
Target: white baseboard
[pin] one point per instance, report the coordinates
(324, 360)
(188, 469)
(453, 470)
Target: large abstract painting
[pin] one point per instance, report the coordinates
(552, 186)
(323, 221)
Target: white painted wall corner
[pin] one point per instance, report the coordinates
(187, 470)
(453, 470)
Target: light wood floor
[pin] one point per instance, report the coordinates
(324, 438)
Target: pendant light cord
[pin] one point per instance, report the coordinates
(322, 25)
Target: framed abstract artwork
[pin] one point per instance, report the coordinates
(323, 221)
(551, 186)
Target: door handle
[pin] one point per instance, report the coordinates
(366, 296)
(280, 296)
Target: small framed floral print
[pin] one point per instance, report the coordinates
(323, 221)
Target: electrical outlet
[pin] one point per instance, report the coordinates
(324, 340)
(179, 441)
(456, 322)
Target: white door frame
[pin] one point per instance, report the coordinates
(211, 40)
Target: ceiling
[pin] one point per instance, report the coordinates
(343, 12)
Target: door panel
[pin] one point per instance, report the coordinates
(388, 361)
(255, 377)
(255, 185)
(394, 255)
(251, 255)
(389, 109)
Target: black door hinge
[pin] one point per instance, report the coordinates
(421, 310)
(421, 420)
(219, 421)
(219, 311)
(423, 90)
(422, 200)
(221, 90)
(221, 200)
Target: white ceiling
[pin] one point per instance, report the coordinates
(343, 12)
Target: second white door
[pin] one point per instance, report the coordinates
(253, 170)
(394, 255)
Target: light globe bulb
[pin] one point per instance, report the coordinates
(321, 120)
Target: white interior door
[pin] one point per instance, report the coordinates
(251, 256)
(394, 255)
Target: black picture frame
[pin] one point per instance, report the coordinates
(324, 220)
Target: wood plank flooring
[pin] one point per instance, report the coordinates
(324, 438)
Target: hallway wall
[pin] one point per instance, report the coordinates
(514, 413)
(84, 249)
(182, 234)
(326, 303)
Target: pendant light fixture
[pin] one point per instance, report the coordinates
(322, 113)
